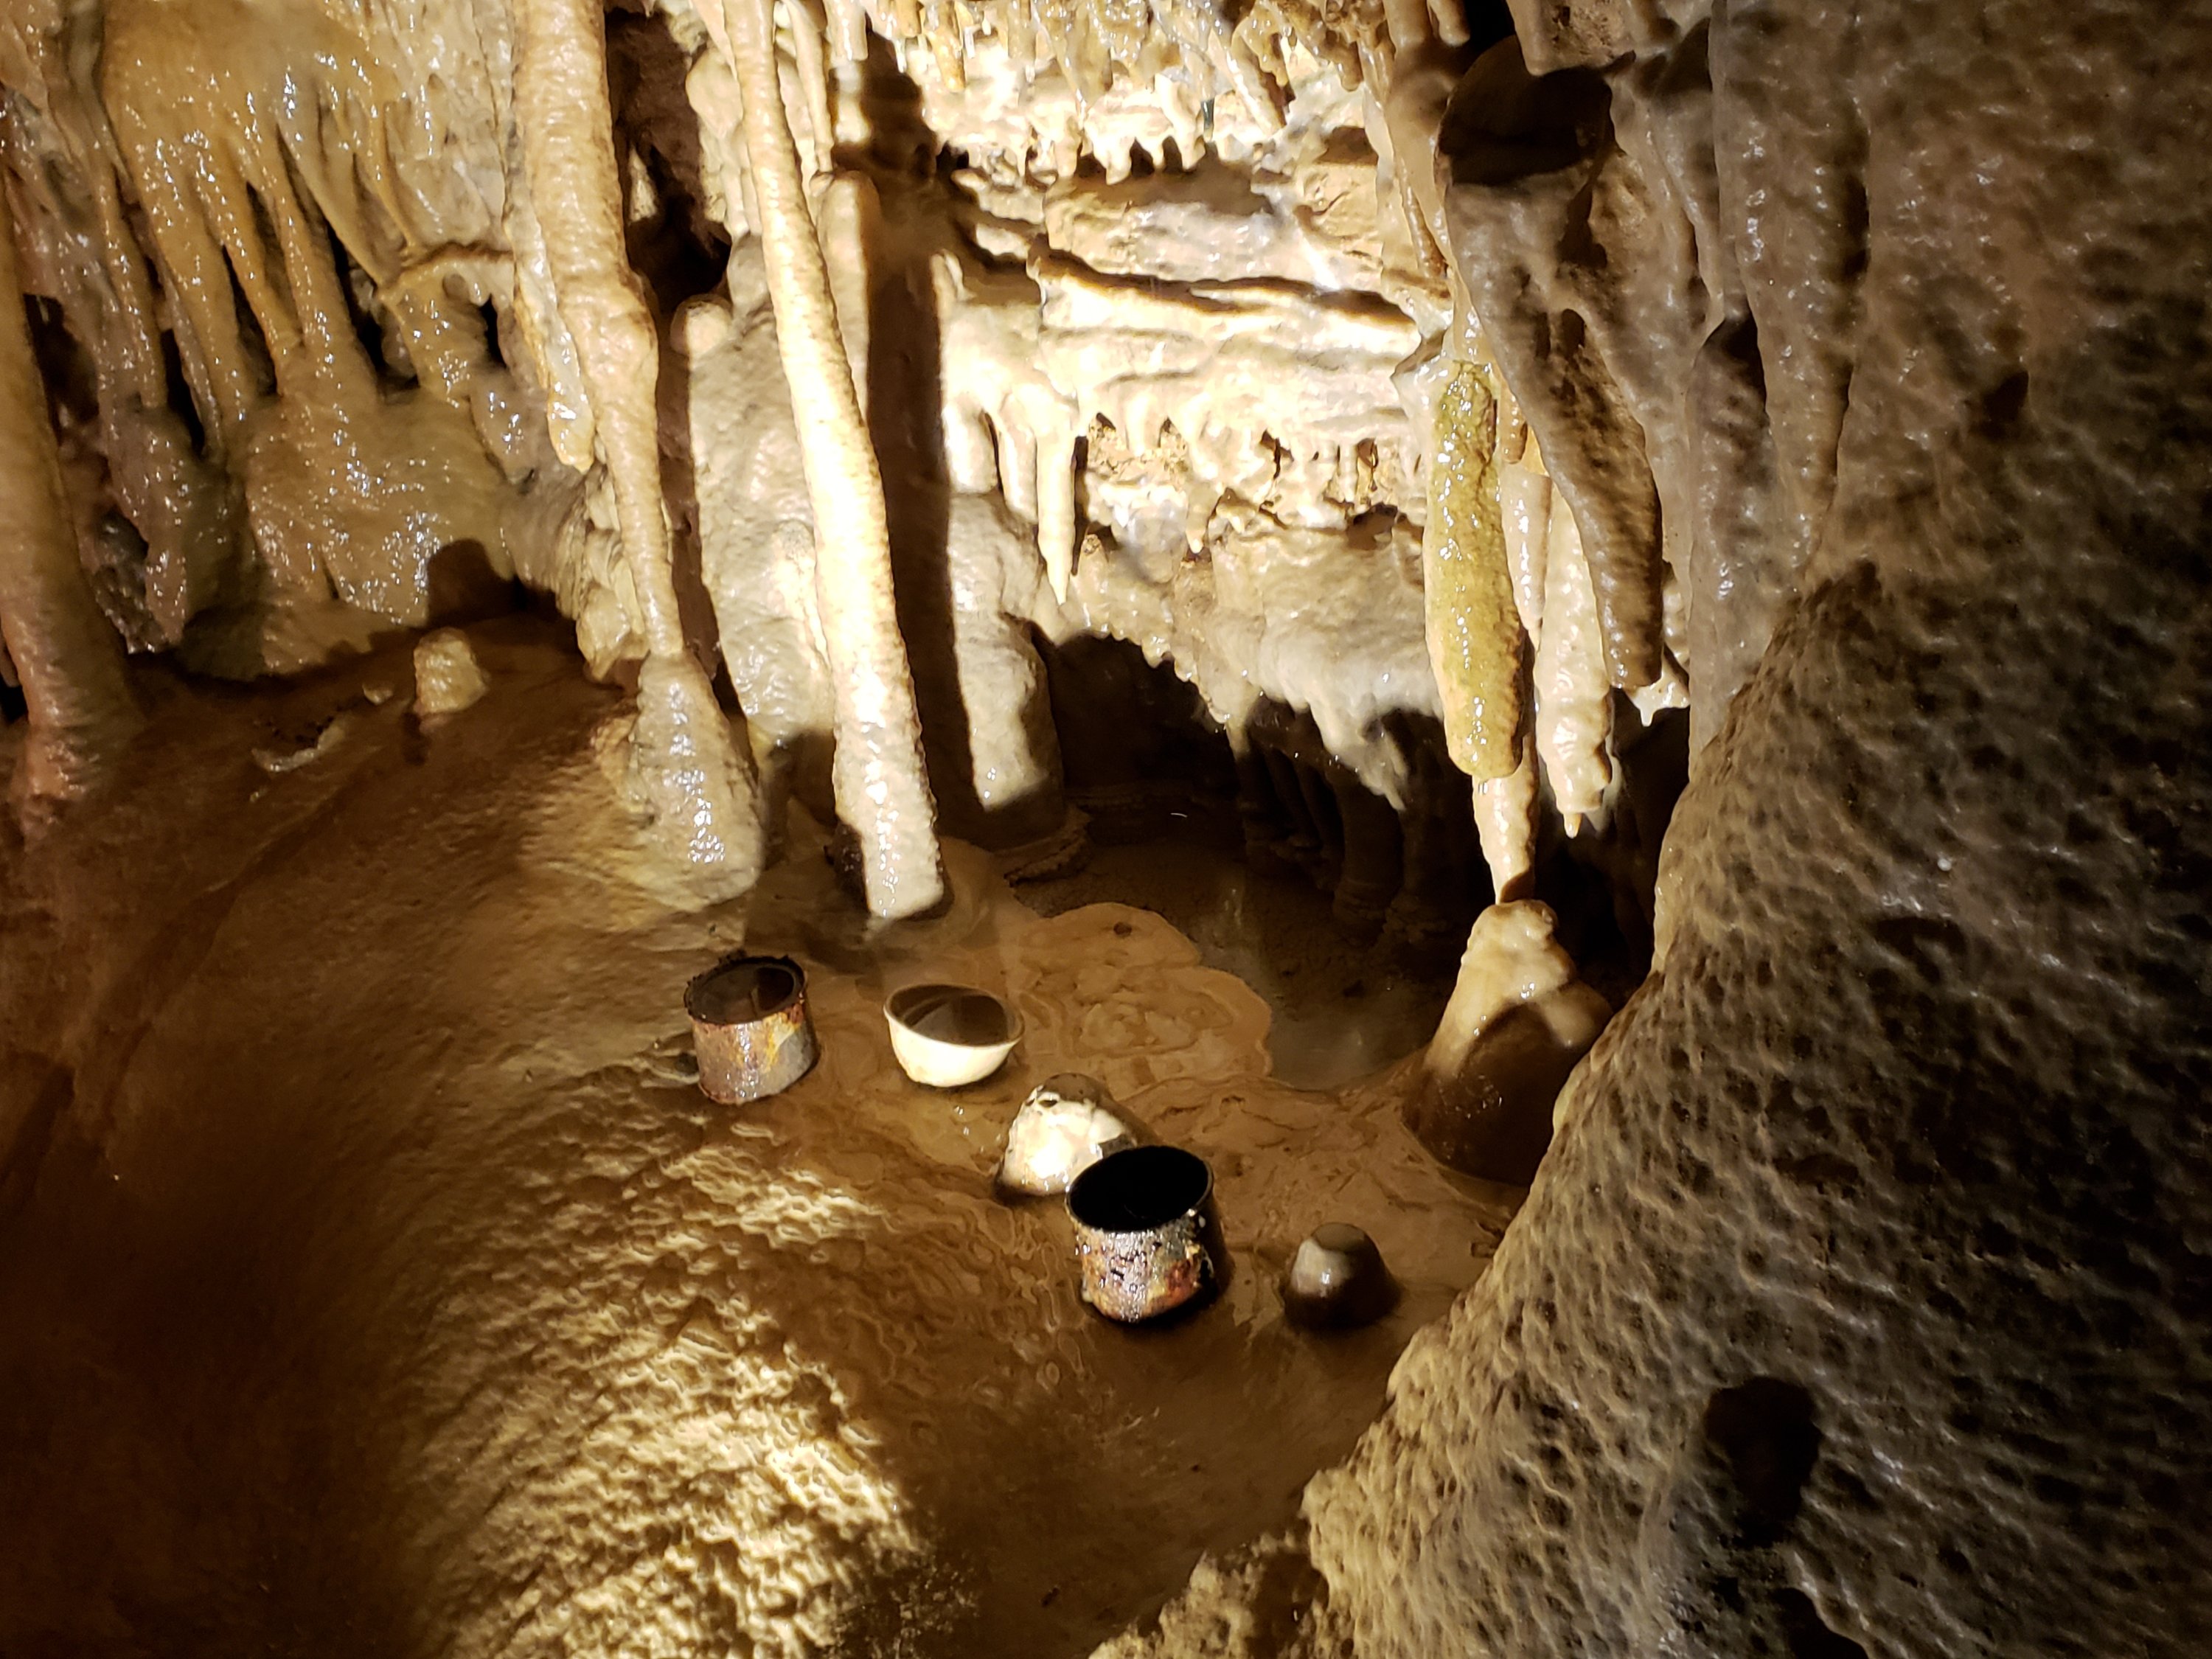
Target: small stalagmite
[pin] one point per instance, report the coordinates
(1517, 1021)
(447, 676)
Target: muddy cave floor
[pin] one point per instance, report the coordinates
(372, 1279)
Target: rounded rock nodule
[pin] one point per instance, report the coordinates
(1338, 1280)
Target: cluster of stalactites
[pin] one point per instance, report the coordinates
(1028, 88)
(291, 192)
(1516, 629)
(230, 204)
(277, 234)
(1551, 598)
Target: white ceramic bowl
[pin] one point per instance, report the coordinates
(945, 1036)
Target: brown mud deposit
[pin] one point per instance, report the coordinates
(372, 1278)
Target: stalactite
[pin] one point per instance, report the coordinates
(161, 484)
(1525, 508)
(62, 652)
(1505, 246)
(848, 217)
(1574, 691)
(847, 32)
(809, 23)
(1473, 626)
(882, 787)
(1505, 812)
(683, 762)
(1055, 507)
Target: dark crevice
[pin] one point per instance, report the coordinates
(354, 284)
(1808, 1637)
(1764, 1433)
(250, 339)
(72, 386)
(182, 404)
(489, 311)
(1488, 22)
(677, 248)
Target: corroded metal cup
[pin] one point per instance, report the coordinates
(1145, 1231)
(749, 1029)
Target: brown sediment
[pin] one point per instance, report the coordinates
(475, 1285)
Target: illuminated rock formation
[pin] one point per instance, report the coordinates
(1857, 1308)
(1488, 419)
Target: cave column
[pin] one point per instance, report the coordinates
(882, 787)
(683, 767)
(63, 652)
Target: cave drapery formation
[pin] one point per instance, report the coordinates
(1819, 382)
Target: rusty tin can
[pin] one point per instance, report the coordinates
(1145, 1232)
(749, 1028)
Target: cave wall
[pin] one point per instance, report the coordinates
(1860, 1306)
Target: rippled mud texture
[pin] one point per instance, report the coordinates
(1860, 1306)
(372, 1278)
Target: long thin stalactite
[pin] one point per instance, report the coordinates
(882, 787)
(684, 766)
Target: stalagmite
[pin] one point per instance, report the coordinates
(683, 762)
(1517, 1021)
(448, 678)
(63, 654)
(882, 787)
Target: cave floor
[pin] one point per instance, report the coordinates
(372, 1279)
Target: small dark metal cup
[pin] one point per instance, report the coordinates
(749, 1029)
(1145, 1231)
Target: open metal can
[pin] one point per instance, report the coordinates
(1145, 1231)
(749, 1029)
